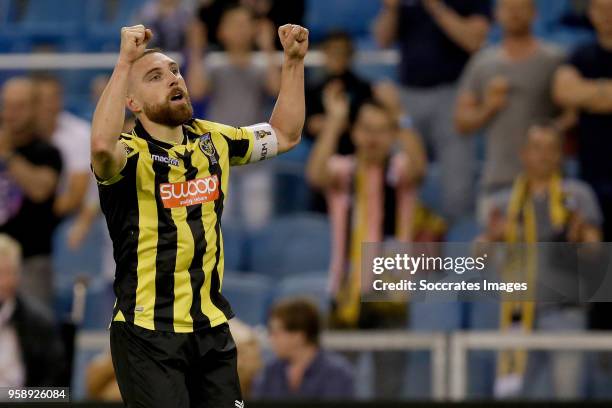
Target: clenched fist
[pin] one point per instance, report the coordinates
(134, 41)
(294, 39)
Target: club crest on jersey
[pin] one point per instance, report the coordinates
(208, 148)
(260, 134)
(127, 148)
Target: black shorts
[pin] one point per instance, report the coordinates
(162, 369)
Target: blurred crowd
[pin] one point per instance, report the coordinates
(511, 131)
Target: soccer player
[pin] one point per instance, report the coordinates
(162, 190)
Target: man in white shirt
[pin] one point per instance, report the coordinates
(70, 134)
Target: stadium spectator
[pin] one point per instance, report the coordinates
(301, 369)
(31, 350)
(242, 79)
(278, 12)
(337, 60)
(504, 90)
(436, 39)
(29, 171)
(543, 207)
(584, 83)
(371, 196)
(70, 135)
(167, 19)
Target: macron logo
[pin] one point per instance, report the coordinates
(165, 159)
(239, 404)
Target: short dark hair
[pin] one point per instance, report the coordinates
(233, 6)
(339, 35)
(378, 105)
(46, 77)
(299, 315)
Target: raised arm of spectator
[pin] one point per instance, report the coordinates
(72, 199)
(385, 26)
(388, 94)
(197, 78)
(469, 32)
(337, 108)
(572, 90)
(473, 112)
(288, 115)
(107, 155)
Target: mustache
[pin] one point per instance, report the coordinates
(176, 91)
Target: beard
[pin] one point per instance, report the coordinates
(168, 114)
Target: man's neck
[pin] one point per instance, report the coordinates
(519, 47)
(240, 57)
(172, 135)
(538, 184)
(304, 357)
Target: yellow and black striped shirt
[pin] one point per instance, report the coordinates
(163, 212)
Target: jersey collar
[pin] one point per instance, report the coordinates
(141, 132)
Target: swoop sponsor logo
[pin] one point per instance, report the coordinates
(192, 192)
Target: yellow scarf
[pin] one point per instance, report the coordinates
(523, 259)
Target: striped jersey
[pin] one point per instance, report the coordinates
(163, 212)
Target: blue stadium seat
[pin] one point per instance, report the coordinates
(44, 19)
(312, 285)
(234, 246)
(104, 20)
(291, 191)
(98, 307)
(249, 295)
(323, 16)
(85, 262)
(291, 245)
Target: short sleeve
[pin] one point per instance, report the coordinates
(471, 79)
(585, 202)
(80, 154)
(250, 144)
(131, 150)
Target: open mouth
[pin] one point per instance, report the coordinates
(177, 96)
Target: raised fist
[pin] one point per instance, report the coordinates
(134, 41)
(294, 39)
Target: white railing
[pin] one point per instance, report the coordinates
(47, 61)
(442, 356)
(462, 342)
(435, 343)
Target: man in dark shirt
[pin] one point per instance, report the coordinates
(584, 83)
(29, 171)
(436, 39)
(301, 369)
(338, 56)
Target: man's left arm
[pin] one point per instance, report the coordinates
(469, 32)
(289, 112)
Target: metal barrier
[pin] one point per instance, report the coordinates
(46, 61)
(462, 342)
(398, 340)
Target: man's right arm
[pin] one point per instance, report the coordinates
(572, 90)
(107, 156)
(385, 26)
